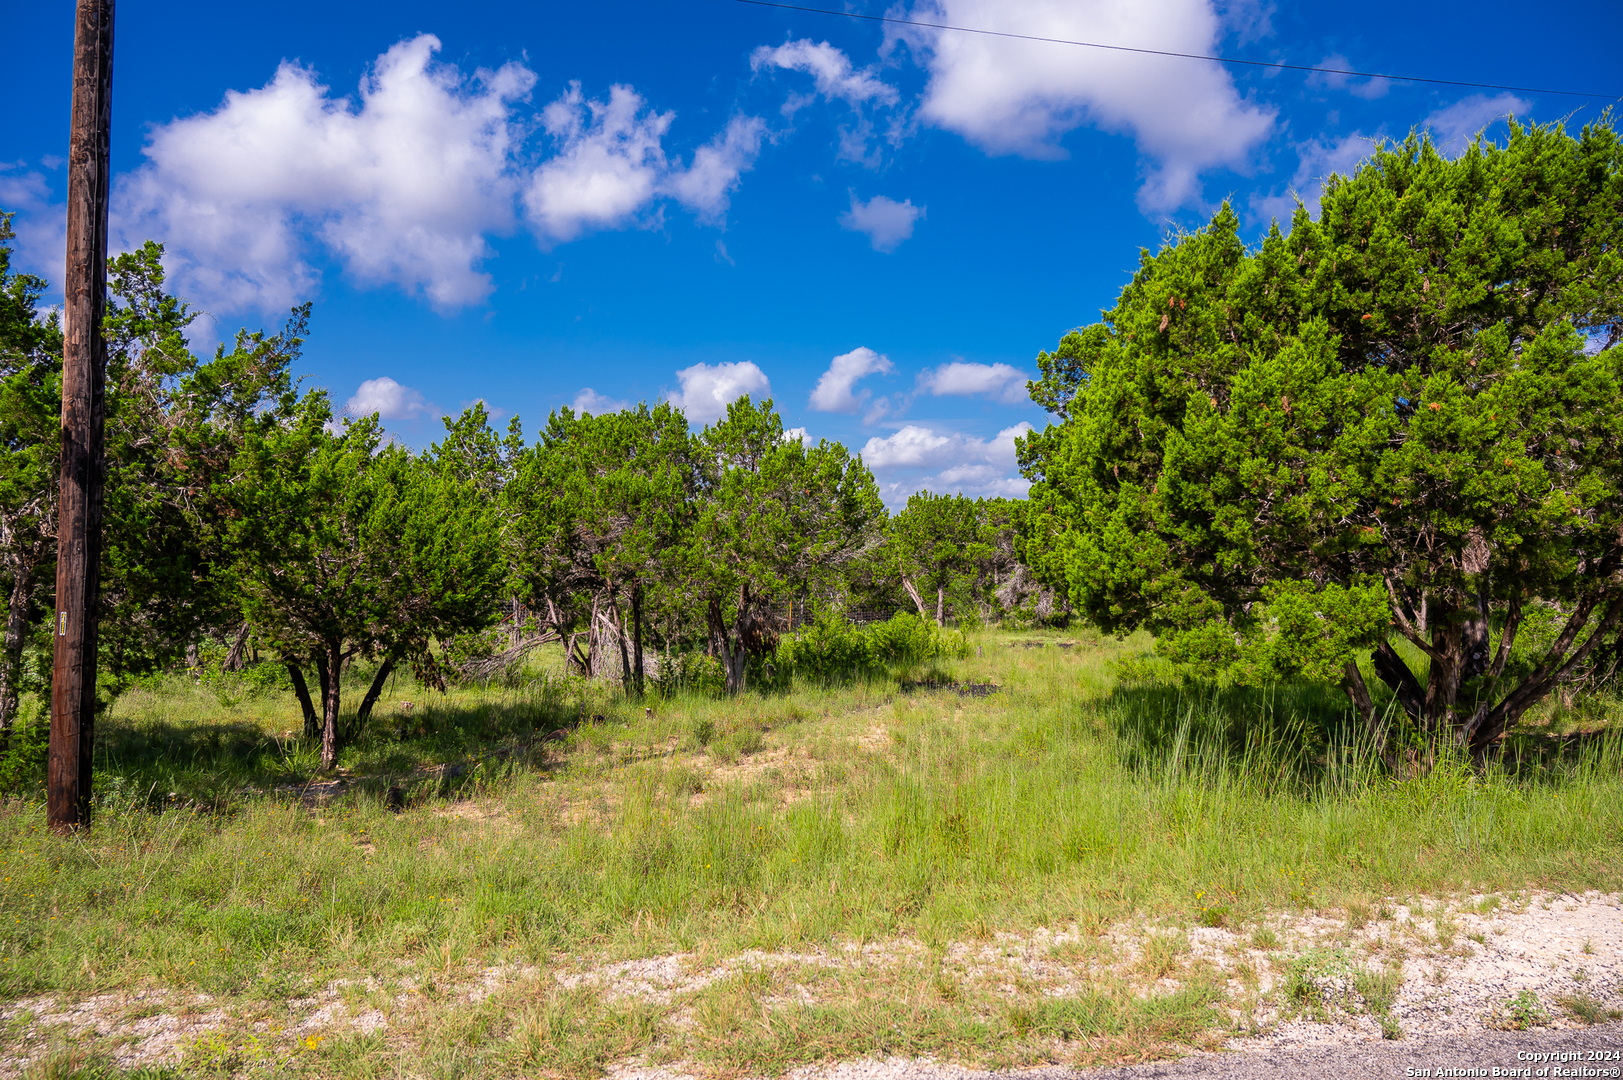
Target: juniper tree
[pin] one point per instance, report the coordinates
(348, 546)
(599, 506)
(775, 518)
(1399, 421)
(933, 541)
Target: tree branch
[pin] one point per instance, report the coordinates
(1400, 619)
(1547, 674)
(1396, 674)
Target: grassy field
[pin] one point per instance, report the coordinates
(714, 854)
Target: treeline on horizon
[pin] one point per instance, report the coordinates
(240, 511)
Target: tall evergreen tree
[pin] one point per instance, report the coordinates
(776, 518)
(1400, 420)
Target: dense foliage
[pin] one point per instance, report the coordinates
(246, 523)
(1399, 421)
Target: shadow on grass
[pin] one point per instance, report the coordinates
(438, 748)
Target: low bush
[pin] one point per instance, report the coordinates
(830, 650)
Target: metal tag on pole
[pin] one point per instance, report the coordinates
(84, 367)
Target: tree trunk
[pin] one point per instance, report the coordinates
(1352, 681)
(717, 627)
(1396, 675)
(918, 601)
(312, 726)
(636, 631)
(620, 640)
(575, 659)
(376, 689)
(1547, 675)
(734, 662)
(1443, 674)
(11, 661)
(239, 648)
(731, 655)
(941, 605)
(332, 668)
(593, 650)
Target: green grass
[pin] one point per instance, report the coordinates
(782, 822)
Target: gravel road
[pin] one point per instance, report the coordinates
(1478, 1054)
(1445, 1056)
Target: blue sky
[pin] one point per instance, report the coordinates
(543, 204)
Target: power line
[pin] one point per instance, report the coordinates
(1166, 52)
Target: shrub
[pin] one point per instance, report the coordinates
(827, 650)
(906, 640)
(832, 650)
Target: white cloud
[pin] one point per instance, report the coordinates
(1453, 128)
(590, 401)
(799, 435)
(831, 70)
(389, 400)
(607, 167)
(977, 482)
(997, 382)
(401, 187)
(948, 462)
(707, 391)
(41, 227)
(916, 446)
(886, 222)
(403, 183)
(835, 78)
(833, 392)
(1368, 89)
(912, 446)
(706, 186)
(611, 166)
(1022, 97)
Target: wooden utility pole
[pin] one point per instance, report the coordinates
(84, 369)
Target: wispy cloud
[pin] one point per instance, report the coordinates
(1368, 89)
(995, 382)
(40, 226)
(1452, 128)
(590, 401)
(886, 222)
(1317, 161)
